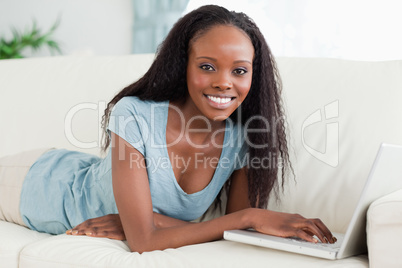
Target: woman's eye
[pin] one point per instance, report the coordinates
(207, 67)
(239, 71)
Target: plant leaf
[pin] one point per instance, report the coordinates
(29, 38)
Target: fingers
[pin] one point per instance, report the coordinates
(107, 226)
(96, 232)
(315, 227)
(309, 229)
(327, 233)
(85, 228)
(288, 225)
(81, 230)
(306, 236)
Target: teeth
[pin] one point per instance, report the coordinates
(219, 100)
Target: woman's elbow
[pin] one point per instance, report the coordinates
(139, 248)
(144, 248)
(143, 243)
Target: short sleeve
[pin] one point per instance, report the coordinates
(241, 157)
(130, 125)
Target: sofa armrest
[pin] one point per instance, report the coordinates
(384, 231)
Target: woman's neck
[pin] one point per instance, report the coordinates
(188, 117)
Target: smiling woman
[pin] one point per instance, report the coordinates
(206, 101)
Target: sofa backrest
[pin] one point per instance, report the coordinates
(338, 114)
(59, 101)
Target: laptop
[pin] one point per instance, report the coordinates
(384, 178)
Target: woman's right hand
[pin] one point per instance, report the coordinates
(106, 226)
(291, 225)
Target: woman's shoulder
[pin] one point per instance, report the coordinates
(133, 101)
(135, 105)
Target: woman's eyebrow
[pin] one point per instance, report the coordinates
(213, 59)
(208, 58)
(241, 61)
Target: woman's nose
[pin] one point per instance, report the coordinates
(222, 82)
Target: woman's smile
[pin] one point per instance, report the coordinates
(220, 101)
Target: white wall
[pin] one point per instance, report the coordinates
(88, 27)
(347, 29)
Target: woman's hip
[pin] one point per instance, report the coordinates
(13, 169)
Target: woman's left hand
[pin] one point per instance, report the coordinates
(108, 226)
(288, 225)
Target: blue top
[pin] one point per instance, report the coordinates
(64, 188)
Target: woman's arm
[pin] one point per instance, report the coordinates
(133, 200)
(162, 221)
(109, 226)
(238, 191)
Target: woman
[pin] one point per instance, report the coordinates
(207, 112)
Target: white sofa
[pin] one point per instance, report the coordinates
(338, 113)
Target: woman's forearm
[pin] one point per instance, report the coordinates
(183, 233)
(110, 226)
(264, 221)
(162, 221)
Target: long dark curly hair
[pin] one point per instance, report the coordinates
(166, 80)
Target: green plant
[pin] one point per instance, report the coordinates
(32, 38)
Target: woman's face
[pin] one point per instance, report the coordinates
(219, 71)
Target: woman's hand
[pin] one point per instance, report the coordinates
(288, 225)
(106, 226)
(110, 226)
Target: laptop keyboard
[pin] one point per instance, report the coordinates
(300, 241)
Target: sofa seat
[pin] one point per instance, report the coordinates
(16, 238)
(81, 251)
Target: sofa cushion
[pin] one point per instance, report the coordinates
(384, 230)
(72, 251)
(13, 239)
